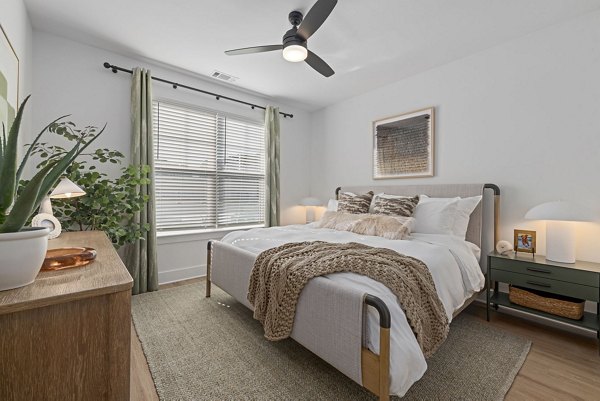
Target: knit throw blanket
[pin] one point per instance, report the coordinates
(279, 275)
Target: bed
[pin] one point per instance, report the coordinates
(355, 323)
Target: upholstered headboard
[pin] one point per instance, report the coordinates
(483, 224)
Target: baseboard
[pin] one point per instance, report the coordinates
(183, 273)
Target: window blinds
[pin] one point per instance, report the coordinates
(209, 169)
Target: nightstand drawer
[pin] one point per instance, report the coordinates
(582, 277)
(546, 284)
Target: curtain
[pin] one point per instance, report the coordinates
(272, 181)
(140, 257)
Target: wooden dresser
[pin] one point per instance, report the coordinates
(67, 335)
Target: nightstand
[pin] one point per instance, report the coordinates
(577, 280)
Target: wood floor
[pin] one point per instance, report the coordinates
(560, 366)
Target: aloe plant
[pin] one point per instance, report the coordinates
(16, 209)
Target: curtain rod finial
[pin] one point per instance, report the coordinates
(106, 65)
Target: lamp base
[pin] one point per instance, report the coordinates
(310, 214)
(560, 241)
(46, 206)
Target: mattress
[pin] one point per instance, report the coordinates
(453, 264)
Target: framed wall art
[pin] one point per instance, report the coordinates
(9, 81)
(403, 145)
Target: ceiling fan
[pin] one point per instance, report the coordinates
(294, 41)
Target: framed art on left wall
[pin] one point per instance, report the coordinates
(9, 80)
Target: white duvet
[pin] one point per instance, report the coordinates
(451, 261)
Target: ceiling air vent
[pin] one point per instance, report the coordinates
(224, 77)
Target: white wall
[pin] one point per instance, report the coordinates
(69, 78)
(523, 115)
(16, 24)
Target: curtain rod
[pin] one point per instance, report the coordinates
(176, 85)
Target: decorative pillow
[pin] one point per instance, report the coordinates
(338, 220)
(390, 227)
(464, 208)
(396, 206)
(356, 204)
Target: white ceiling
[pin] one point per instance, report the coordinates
(369, 43)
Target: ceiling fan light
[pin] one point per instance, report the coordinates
(295, 53)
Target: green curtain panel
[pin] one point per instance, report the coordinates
(272, 182)
(140, 257)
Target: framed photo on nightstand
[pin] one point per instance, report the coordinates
(524, 241)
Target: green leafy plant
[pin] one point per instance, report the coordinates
(17, 206)
(110, 203)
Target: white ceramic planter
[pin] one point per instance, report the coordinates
(21, 256)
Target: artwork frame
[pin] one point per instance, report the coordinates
(9, 80)
(404, 145)
(524, 241)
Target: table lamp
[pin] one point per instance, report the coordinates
(310, 203)
(561, 218)
(64, 190)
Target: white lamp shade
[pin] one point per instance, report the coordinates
(310, 201)
(560, 211)
(66, 189)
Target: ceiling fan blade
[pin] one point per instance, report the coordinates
(255, 49)
(315, 18)
(319, 65)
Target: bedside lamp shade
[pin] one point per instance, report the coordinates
(560, 227)
(310, 201)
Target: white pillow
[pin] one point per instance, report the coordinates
(332, 205)
(464, 208)
(435, 215)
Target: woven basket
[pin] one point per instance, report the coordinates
(571, 308)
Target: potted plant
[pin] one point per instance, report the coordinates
(22, 250)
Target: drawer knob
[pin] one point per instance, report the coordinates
(538, 270)
(539, 284)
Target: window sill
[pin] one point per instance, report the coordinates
(204, 232)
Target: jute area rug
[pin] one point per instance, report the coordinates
(212, 349)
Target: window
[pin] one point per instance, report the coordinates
(209, 169)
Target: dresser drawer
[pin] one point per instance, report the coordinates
(582, 277)
(546, 284)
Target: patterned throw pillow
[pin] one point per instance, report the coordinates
(395, 206)
(355, 204)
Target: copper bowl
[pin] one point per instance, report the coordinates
(65, 258)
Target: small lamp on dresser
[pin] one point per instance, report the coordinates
(561, 218)
(310, 203)
(65, 189)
